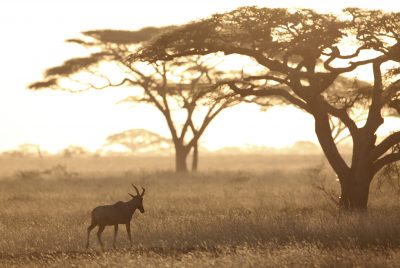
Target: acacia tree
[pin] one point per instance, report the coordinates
(303, 55)
(137, 140)
(179, 89)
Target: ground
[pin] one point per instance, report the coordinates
(247, 211)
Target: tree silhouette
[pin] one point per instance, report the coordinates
(140, 140)
(26, 150)
(74, 151)
(303, 54)
(179, 89)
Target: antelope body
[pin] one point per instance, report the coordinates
(118, 213)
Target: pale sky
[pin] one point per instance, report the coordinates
(33, 34)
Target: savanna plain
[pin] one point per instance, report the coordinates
(236, 211)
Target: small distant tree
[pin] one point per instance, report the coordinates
(303, 53)
(25, 150)
(180, 89)
(304, 147)
(74, 151)
(140, 140)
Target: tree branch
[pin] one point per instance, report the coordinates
(270, 92)
(387, 159)
(385, 145)
(125, 80)
(352, 65)
(335, 53)
(374, 119)
(211, 114)
(187, 122)
(343, 116)
(267, 77)
(324, 134)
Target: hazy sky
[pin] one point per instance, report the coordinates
(33, 34)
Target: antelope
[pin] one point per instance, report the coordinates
(118, 213)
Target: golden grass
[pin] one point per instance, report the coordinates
(112, 165)
(223, 218)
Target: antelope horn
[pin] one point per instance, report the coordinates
(137, 191)
(143, 191)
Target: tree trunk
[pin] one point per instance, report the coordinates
(195, 160)
(181, 154)
(354, 180)
(355, 190)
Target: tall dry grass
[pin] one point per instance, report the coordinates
(269, 217)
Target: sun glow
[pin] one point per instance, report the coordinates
(34, 33)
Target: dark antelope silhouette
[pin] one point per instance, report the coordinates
(119, 213)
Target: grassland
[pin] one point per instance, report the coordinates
(249, 211)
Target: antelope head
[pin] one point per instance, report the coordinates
(138, 198)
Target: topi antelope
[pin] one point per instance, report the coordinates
(119, 213)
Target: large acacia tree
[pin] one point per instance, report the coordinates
(179, 89)
(303, 54)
